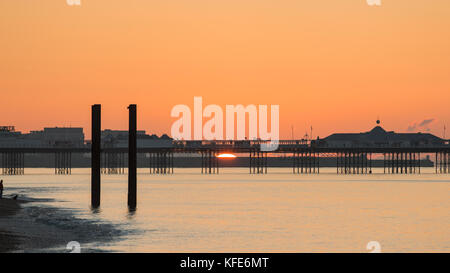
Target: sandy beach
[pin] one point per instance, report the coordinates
(21, 233)
(26, 228)
(8, 241)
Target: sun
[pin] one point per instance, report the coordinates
(226, 156)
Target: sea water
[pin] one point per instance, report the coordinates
(235, 211)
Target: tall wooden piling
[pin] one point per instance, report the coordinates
(95, 155)
(132, 157)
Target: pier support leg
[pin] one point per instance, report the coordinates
(436, 163)
(265, 162)
(447, 163)
(294, 162)
(132, 158)
(172, 161)
(418, 163)
(63, 162)
(250, 161)
(337, 163)
(95, 156)
(13, 163)
(302, 161)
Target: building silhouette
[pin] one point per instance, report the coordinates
(74, 137)
(379, 137)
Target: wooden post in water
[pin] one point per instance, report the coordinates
(95, 155)
(132, 157)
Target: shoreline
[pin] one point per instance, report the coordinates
(25, 228)
(15, 233)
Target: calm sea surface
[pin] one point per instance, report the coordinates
(239, 212)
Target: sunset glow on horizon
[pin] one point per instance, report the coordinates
(226, 156)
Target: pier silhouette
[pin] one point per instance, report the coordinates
(305, 157)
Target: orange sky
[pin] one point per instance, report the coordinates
(332, 64)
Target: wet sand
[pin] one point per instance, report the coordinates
(20, 232)
(9, 207)
(29, 228)
(8, 241)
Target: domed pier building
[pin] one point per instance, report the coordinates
(379, 137)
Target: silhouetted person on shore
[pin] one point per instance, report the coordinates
(1, 189)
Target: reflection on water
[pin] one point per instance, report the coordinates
(131, 212)
(95, 210)
(239, 212)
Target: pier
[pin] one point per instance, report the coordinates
(305, 157)
(353, 153)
